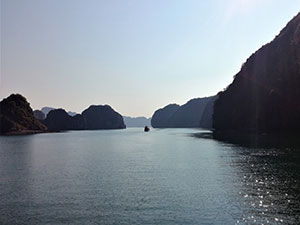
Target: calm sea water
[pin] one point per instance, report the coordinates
(165, 176)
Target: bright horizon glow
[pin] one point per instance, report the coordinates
(136, 56)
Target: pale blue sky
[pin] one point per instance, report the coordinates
(136, 56)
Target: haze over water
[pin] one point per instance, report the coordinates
(166, 176)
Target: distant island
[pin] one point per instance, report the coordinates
(195, 113)
(17, 117)
(137, 121)
(59, 119)
(47, 109)
(102, 117)
(39, 114)
(94, 118)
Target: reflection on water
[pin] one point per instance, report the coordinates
(132, 177)
(269, 172)
(269, 185)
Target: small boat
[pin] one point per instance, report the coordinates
(146, 129)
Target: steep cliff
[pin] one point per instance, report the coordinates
(264, 96)
(189, 114)
(160, 118)
(185, 116)
(207, 115)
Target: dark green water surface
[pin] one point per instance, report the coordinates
(165, 176)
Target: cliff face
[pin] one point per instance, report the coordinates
(185, 116)
(160, 118)
(16, 115)
(102, 117)
(189, 114)
(59, 119)
(264, 95)
(207, 116)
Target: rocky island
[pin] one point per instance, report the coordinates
(102, 117)
(195, 113)
(16, 117)
(59, 119)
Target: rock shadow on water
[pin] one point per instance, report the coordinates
(254, 140)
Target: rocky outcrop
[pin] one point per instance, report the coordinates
(39, 114)
(188, 115)
(102, 117)
(59, 119)
(16, 116)
(137, 121)
(264, 96)
(160, 118)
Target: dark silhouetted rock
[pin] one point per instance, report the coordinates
(59, 119)
(78, 122)
(137, 121)
(95, 117)
(46, 110)
(16, 116)
(160, 118)
(264, 96)
(189, 114)
(102, 117)
(39, 114)
(185, 116)
(207, 116)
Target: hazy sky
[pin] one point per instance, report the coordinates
(136, 56)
